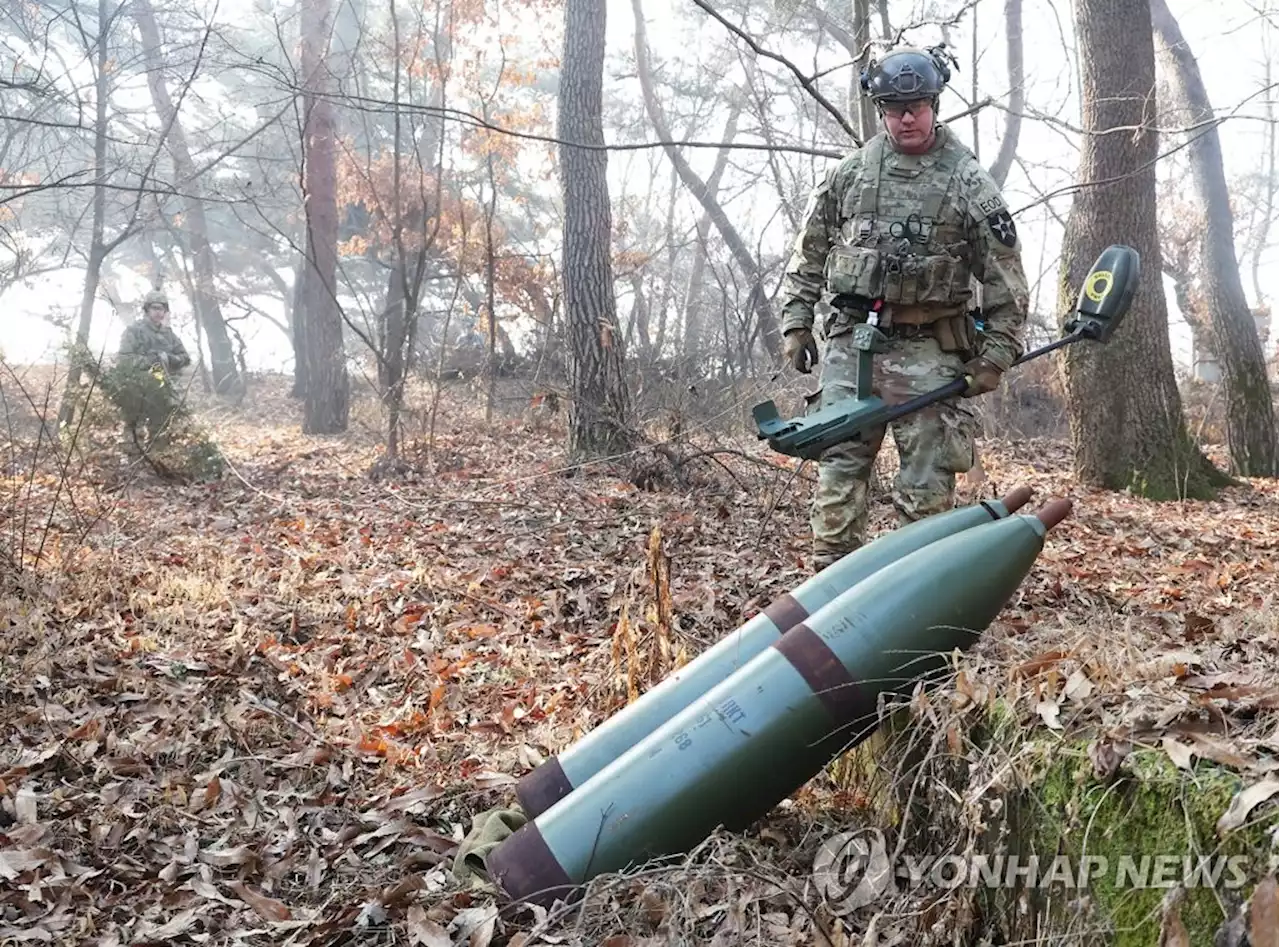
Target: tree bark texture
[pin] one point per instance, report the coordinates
(758, 298)
(226, 378)
(1127, 426)
(599, 408)
(1250, 410)
(326, 401)
(298, 322)
(860, 104)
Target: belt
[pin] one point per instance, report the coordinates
(899, 330)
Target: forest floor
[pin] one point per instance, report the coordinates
(264, 710)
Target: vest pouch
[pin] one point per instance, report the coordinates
(913, 280)
(957, 334)
(944, 280)
(853, 271)
(893, 279)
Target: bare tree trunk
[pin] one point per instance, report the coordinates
(973, 87)
(693, 291)
(860, 104)
(97, 245)
(668, 278)
(1251, 413)
(599, 407)
(1127, 426)
(326, 404)
(226, 379)
(1017, 92)
(742, 256)
(1191, 304)
(490, 302)
(298, 322)
(1272, 182)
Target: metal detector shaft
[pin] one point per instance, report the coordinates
(957, 386)
(1104, 299)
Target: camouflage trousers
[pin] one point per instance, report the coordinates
(147, 405)
(934, 444)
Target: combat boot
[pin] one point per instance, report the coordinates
(822, 556)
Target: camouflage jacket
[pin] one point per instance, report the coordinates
(912, 230)
(142, 344)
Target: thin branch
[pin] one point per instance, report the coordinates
(805, 82)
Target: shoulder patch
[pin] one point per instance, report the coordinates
(1001, 224)
(991, 204)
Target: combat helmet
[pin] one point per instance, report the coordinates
(907, 75)
(153, 298)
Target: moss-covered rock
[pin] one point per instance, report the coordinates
(1150, 828)
(1100, 847)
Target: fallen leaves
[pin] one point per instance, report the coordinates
(1264, 914)
(1244, 802)
(269, 909)
(262, 709)
(1107, 753)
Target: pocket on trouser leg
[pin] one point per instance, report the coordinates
(933, 446)
(958, 436)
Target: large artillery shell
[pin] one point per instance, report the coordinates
(747, 743)
(554, 779)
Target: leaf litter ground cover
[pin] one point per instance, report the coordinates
(264, 711)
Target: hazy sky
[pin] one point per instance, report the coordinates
(1229, 39)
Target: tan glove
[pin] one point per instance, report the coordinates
(983, 376)
(799, 350)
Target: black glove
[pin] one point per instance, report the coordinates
(800, 350)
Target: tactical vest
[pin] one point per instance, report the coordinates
(894, 246)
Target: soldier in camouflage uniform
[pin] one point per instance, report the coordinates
(893, 236)
(150, 353)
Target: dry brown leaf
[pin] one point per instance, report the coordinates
(482, 933)
(207, 890)
(24, 806)
(487, 779)
(1264, 915)
(1245, 802)
(1170, 664)
(1212, 748)
(1196, 626)
(174, 928)
(1048, 711)
(1173, 933)
(1107, 754)
(14, 862)
(413, 800)
(227, 857)
(1037, 664)
(269, 909)
(1078, 686)
(425, 932)
(1180, 753)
